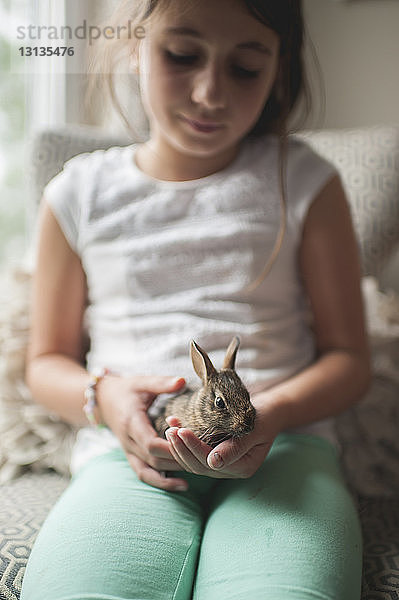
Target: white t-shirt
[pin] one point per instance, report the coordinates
(167, 261)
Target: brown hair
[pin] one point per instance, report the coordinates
(283, 16)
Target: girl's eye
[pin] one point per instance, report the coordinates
(242, 73)
(180, 59)
(190, 59)
(219, 402)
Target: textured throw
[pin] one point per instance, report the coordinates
(29, 434)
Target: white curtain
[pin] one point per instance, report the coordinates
(56, 83)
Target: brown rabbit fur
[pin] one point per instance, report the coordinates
(220, 409)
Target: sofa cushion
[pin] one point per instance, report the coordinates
(26, 501)
(24, 504)
(380, 524)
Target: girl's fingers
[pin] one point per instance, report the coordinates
(140, 428)
(141, 432)
(196, 446)
(198, 458)
(195, 463)
(158, 463)
(158, 385)
(173, 421)
(182, 465)
(228, 452)
(184, 455)
(152, 477)
(173, 446)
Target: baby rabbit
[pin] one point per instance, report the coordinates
(220, 409)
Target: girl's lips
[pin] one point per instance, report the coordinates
(203, 127)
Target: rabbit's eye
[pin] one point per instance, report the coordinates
(219, 402)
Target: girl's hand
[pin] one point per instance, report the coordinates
(231, 459)
(124, 402)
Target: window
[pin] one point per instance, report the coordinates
(34, 93)
(12, 135)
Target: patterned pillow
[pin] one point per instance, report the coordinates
(25, 503)
(368, 161)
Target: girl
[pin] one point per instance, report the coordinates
(153, 244)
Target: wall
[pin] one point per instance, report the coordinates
(357, 43)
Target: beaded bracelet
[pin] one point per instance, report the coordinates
(90, 395)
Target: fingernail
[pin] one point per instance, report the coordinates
(181, 488)
(216, 461)
(169, 433)
(180, 432)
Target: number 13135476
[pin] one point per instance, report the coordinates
(46, 51)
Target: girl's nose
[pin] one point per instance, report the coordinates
(209, 87)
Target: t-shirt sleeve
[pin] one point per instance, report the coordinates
(307, 174)
(64, 195)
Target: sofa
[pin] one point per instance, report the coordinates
(35, 445)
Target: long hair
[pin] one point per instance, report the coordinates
(286, 19)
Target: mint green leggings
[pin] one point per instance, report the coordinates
(290, 532)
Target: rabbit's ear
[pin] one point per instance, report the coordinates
(201, 362)
(231, 352)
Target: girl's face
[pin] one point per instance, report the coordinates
(206, 73)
